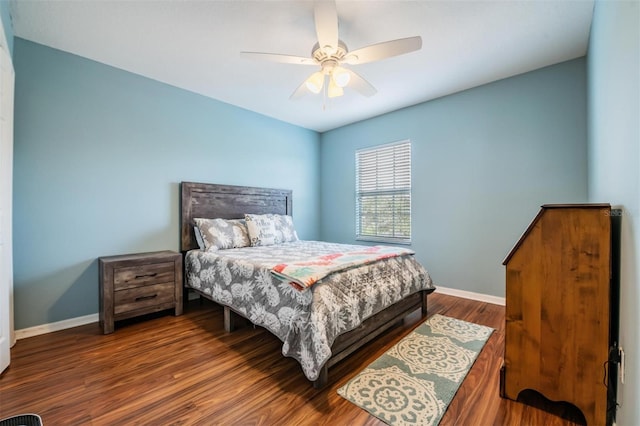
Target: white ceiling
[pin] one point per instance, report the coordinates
(195, 45)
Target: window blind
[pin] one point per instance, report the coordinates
(383, 193)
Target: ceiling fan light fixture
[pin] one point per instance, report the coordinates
(341, 76)
(315, 82)
(334, 91)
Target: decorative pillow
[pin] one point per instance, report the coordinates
(262, 229)
(270, 229)
(218, 234)
(284, 228)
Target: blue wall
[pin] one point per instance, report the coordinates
(484, 160)
(98, 157)
(614, 165)
(99, 153)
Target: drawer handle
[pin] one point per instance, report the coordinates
(141, 298)
(146, 275)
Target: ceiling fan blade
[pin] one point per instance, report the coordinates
(276, 57)
(326, 19)
(300, 91)
(361, 85)
(383, 50)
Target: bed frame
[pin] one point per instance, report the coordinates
(232, 202)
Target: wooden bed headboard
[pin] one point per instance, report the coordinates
(210, 200)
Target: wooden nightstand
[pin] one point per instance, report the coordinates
(138, 284)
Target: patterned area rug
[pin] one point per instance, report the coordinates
(415, 380)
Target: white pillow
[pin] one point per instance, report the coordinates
(270, 229)
(261, 229)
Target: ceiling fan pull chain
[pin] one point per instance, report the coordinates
(324, 98)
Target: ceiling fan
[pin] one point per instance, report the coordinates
(330, 53)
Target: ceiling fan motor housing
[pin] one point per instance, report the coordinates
(322, 56)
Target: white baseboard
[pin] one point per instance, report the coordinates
(63, 325)
(471, 295)
(88, 319)
(55, 326)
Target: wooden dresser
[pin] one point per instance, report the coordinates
(561, 310)
(137, 284)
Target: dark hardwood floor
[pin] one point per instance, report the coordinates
(167, 370)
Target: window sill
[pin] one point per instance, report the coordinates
(394, 241)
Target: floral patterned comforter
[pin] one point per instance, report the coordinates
(306, 321)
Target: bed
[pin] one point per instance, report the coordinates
(320, 325)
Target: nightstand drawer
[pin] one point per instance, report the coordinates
(143, 297)
(143, 275)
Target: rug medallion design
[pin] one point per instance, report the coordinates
(414, 381)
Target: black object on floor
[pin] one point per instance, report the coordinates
(22, 420)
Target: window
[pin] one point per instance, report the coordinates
(383, 193)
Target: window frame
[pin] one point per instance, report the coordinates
(401, 187)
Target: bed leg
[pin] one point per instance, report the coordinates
(229, 319)
(424, 303)
(185, 296)
(322, 379)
